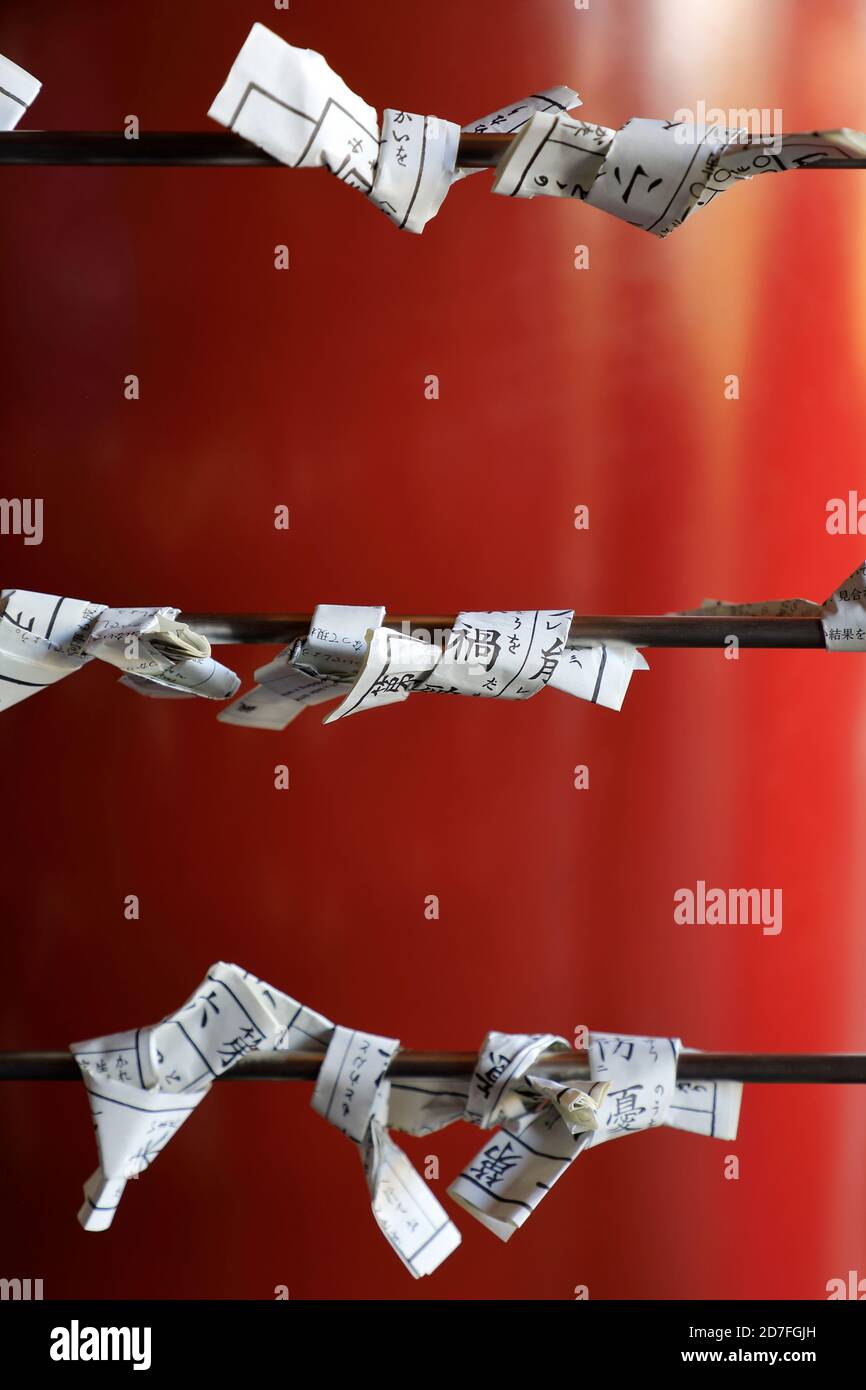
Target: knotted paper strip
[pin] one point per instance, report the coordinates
(652, 174)
(493, 655)
(321, 667)
(44, 637)
(634, 1087)
(289, 102)
(352, 1092)
(842, 615)
(143, 1085)
(18, 91)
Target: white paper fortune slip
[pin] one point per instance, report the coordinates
(493, 655)
(352, 1093)
(321, 667)
(289, 102)
(18, 91)
(44, 637)
(143, 1085)
(842, 615)
(545, 1124)
(652, 174)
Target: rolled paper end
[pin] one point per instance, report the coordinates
(201, 676)
(101, 1199)
(142, 686)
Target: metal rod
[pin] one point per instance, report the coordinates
(183, 149)
(773, 1068)
(192, 149)
(264, 629)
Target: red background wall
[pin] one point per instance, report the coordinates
(558, 387)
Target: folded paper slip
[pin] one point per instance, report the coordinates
(653, 174)
(144, 1084)
(491, 655)
(289, 102)
(842, 615)
(45, 637)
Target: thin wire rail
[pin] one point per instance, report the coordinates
(770, 1068)
(264, 629)
(202, 149)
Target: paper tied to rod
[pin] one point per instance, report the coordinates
(320, 667)
(546, 1124)
(18, 91)
(143, 1085)
(842, 615)
(494, 655)
(652, 174)
(289, 102)
(44, 637)
(353, 1093)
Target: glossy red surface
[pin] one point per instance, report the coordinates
(558, 387)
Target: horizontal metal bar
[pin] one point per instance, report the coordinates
(773, 1068)
(263, 629)
(193, 148)
(183, 149)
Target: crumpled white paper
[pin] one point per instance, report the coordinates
(289, 102)
(545, 1125)
(842, 615)
(353, 1093)
(507, 656)
(18, 91)
(652, 174)
(318, 668)
(143, 1085)
(493, 655)
(44, 637)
